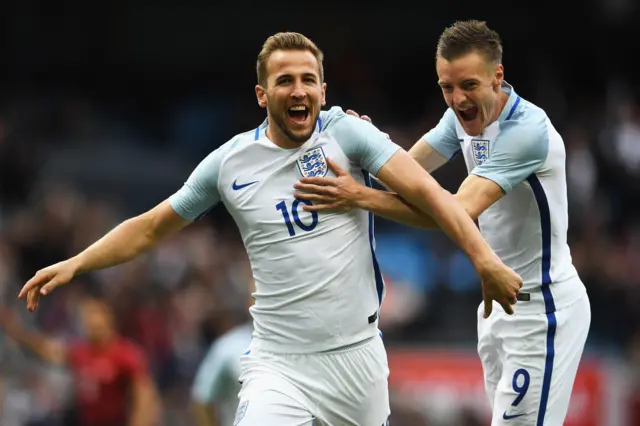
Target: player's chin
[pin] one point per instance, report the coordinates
(300, 135)
(300, 132)
(472, 127)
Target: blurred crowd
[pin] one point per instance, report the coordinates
(71, 169)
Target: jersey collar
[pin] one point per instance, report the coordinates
(261, 130)
(512, 103)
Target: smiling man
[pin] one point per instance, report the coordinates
(316, 356)
(517, 191)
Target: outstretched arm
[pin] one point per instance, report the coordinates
(126, 241)
(137, 235)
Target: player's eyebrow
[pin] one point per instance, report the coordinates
(282, 77)
(470, 80)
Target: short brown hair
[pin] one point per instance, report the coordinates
(286, 41)
(465, 37)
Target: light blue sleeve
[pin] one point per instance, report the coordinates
(444, 138)
(362, 142)
(199, 194)
(208, 382)
(519, 150)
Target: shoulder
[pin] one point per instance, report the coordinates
(236, 142)
(209, 167)
(341, 125)
(526, 132)
(330, 118)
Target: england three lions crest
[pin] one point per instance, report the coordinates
(480, 150)
(313, 163)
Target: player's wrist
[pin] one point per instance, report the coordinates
(485, 260)
(362, 197)
(75, 265)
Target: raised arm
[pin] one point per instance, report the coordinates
(136, 235)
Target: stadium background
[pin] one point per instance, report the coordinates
(106, 107)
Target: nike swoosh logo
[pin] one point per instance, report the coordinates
(510, 416)
(236, 187)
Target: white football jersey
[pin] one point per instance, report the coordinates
(217, 379)
(527, 228)
(318, 285)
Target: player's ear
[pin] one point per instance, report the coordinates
(324, 94)
(499, 78)
(261, 95)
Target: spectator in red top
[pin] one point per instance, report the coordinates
(112, 382)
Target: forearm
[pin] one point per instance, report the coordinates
(123, 243)
(454, 220)
(37, 342)
(394, 208)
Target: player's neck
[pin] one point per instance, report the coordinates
(500, 104)
(278, 138)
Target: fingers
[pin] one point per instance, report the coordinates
(32, 299)
(320, 207)
(508, 308)
(36, 281)
(488, 306)
(335, 168)
(48, 288)
(318, 181)
(314, 189)
(355, 114)
(315, 198)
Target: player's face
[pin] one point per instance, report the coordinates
(471, 88)
(97, 321)
(294, 93)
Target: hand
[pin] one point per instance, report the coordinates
(365, 118)
(329, 193)
(46, 280)
(502, 284)
(356, 115)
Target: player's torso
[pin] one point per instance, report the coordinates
(101, 381)
(313, 271)
(527, 227)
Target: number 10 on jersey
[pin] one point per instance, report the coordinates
(282, 207)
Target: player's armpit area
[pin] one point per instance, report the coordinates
(476, 194)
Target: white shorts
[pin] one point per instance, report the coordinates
(343, 387)
(530, 362)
